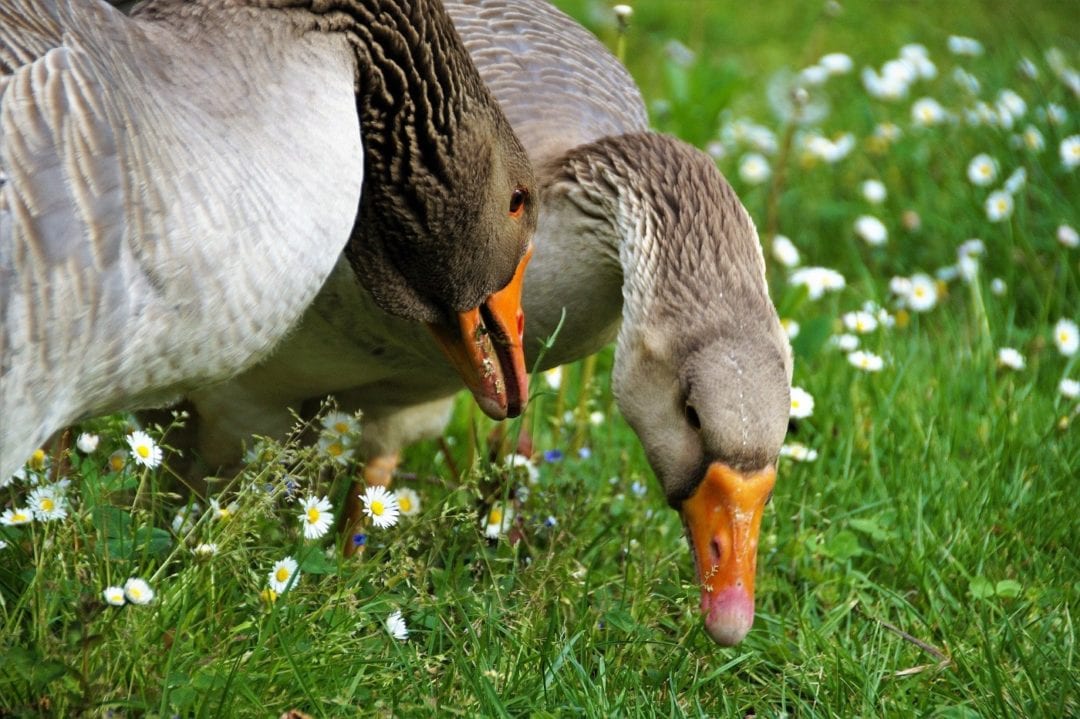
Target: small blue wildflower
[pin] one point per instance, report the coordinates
(638, 488)
(553, 455)
(584, 453)
(550, 522)
(359, 540)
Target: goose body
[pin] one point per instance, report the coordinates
(640, 240)
(176, 187)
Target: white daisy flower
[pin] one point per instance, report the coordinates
(316, 516)
(143, 449)
(47, 503)
(222, 513)
(1054, 114)
(836, 63)
(845, 342)
(754, 168)
(866, 361)
(817, 280)
(923, 295)
(117, 460)
(1066, 337)
(1070, 151)
(960, 45)
(395, 626)
(873, 191)
(185, 518)
(1011, 358)
(999, 206)
(3, 544)
(408, 501)
(138, 591)
(498, 520)
(860, 322)
(1032, 139)
(982, 170)
(966, 81)
(1027, 68)
(871, 230)
(340, 424)
(114, 596)
(553, 377)
(519, 460)
(87, 443)
(381, 505)
(286, 573)
(1016, 181)
(998, 287)
(802, 403)
(928, 112)
(798, 452)
(336, 447)
(1069, 388)
(813, 76)
(791, 327)
(15, 516)
(785, 252)
(1067, 236)
(887, 131)
(205, 550)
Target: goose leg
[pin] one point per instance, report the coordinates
(378, 471)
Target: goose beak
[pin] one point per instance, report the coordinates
(486, 348)
(722, 520)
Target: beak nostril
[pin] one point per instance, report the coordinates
(716, 550)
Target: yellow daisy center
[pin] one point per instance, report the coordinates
(47, 504)
(20, 517)
(794, 404)
(116, 462)
(1063, 336)
(143, 451)
(282, 574)
(341, 427)
(495, 517)
(313, 515)
(37, 459)
(405, 503)
(224, 513)
(135, 592)
(919, 292)
(377, 508)
(335, 449)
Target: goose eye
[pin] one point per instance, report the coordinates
(517, 202)
(692, 416)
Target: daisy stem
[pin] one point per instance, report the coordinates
(581, 413)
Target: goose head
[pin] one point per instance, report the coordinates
(702, 366)
(447, 210)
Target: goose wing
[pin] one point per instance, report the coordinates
(558, 85)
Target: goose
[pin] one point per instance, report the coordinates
(176, 187)
(639, 240)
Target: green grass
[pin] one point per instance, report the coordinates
(924, 565)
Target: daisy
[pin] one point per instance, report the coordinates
(316, 516)
(836, 63)
(1010, 107)
(998, 286)
(860, 322)
(87, 442)
(1067, 236)
(117, 460)
(520, 460)
(866, 361)
(817, 280)
(335, 447)
(226, 512)
(1010, 358)
(1069, 388)
(1066, 337)
(553, 377)
(185, 518)
(408, 501)
(47, 503)
(1016, 181)
(16, 516)
(871, 229)
(754, 168)
(873, 191)
(1032, 139)
(114, 596)
(498, 520)
(1027, 68)
(138, 591)
(286, 573)
(959, 45)
(814, 75)
(982, 170)
(381, 506)
(340, 424)
(205, 550)
(802, 403)
(923, 294)
(798, 452)
(999, 206)
(395, 625)
(927, 112)
(144, 450)
(1070, 151)
(785, 252)
(791, 327)
(845, 342)
(596, 418)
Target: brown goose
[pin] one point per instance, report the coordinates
(175, 187)
(640, 239)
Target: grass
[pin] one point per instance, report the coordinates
(924, 565)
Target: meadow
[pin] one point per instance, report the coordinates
(913, 172)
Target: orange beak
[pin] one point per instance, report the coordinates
(486, 348)
(722, 520)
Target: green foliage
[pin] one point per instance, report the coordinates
(924, 564)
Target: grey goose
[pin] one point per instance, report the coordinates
(640, 240)
(176, 187)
